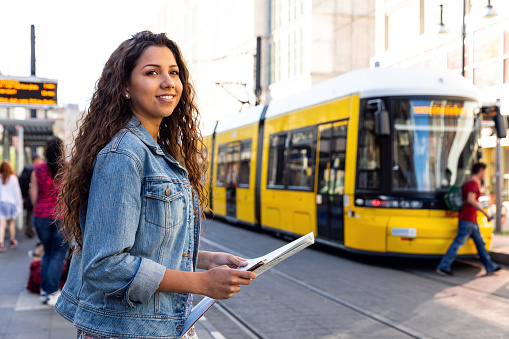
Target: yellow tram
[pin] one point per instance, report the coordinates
(361, 160)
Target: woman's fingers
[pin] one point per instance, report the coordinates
(225, 282)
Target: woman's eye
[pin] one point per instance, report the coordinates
(174, 73)
(151, 73)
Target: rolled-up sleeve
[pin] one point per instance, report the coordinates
(109, 232)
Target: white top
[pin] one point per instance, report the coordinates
(11, 193)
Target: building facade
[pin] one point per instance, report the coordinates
(302, 43)
(408, 35)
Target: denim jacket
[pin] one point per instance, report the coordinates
(140, 221)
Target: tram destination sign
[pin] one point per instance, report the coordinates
(28, 92)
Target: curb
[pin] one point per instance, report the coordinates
(500, 258)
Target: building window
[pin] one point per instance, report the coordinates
(506, 70)
(488, 75)
(486, 45)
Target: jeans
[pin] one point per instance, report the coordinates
(55, 252)
(467, 229)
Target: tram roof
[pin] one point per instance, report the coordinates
(376, 83)
(244, 118)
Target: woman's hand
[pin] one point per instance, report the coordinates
(223, 282)
(210, 260)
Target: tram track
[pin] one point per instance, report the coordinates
(255, 333)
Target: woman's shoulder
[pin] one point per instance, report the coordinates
(123, 147)
(124, 139)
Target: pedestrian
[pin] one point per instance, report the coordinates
(10, 203)
(468, 226)
(24, 183)
(134, 199)
(44, 187)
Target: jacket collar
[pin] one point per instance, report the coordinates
(137, 128)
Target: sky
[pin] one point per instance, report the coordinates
(73, 39)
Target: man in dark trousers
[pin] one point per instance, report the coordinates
(467, 225)
(24, 183)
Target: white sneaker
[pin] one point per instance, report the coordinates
(43, 296)
(52, 298)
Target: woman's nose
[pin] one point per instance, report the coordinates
(168, 82)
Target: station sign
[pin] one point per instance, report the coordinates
(28, 92)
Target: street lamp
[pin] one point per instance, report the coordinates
(441, 26)
(489, 12)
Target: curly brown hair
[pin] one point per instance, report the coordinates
(109, 112)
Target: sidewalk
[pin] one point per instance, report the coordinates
(21, 313)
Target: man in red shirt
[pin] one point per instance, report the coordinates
(467, 225)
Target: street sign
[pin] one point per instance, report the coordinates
(28, 92)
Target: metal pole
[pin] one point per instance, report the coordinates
(258, 71)
(463, 37)
(20, 163)
(498, 194)
(33, 112)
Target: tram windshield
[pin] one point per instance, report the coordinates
(435, 142)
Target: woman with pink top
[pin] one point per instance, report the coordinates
(43, 194)
(10, 203)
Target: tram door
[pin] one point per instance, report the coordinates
(331, 183)
(232, 173)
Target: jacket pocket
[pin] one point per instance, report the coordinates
(164, 204)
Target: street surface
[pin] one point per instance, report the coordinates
(321, 294)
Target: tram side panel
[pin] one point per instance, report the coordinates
(234, 174)
(434, 235)
(290, 146)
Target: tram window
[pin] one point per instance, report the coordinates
(368, 155)
(434, 143)
(302, 159)
(221, 165)
(232, 164)
(245, 163)
(277, 154)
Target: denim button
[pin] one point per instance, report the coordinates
(167, 192)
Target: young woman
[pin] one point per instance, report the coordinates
(133, 196)
(10, 203)
(43, 192)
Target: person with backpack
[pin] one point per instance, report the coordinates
(24, 183)
(468, 226)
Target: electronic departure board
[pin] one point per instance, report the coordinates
(28, 92)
